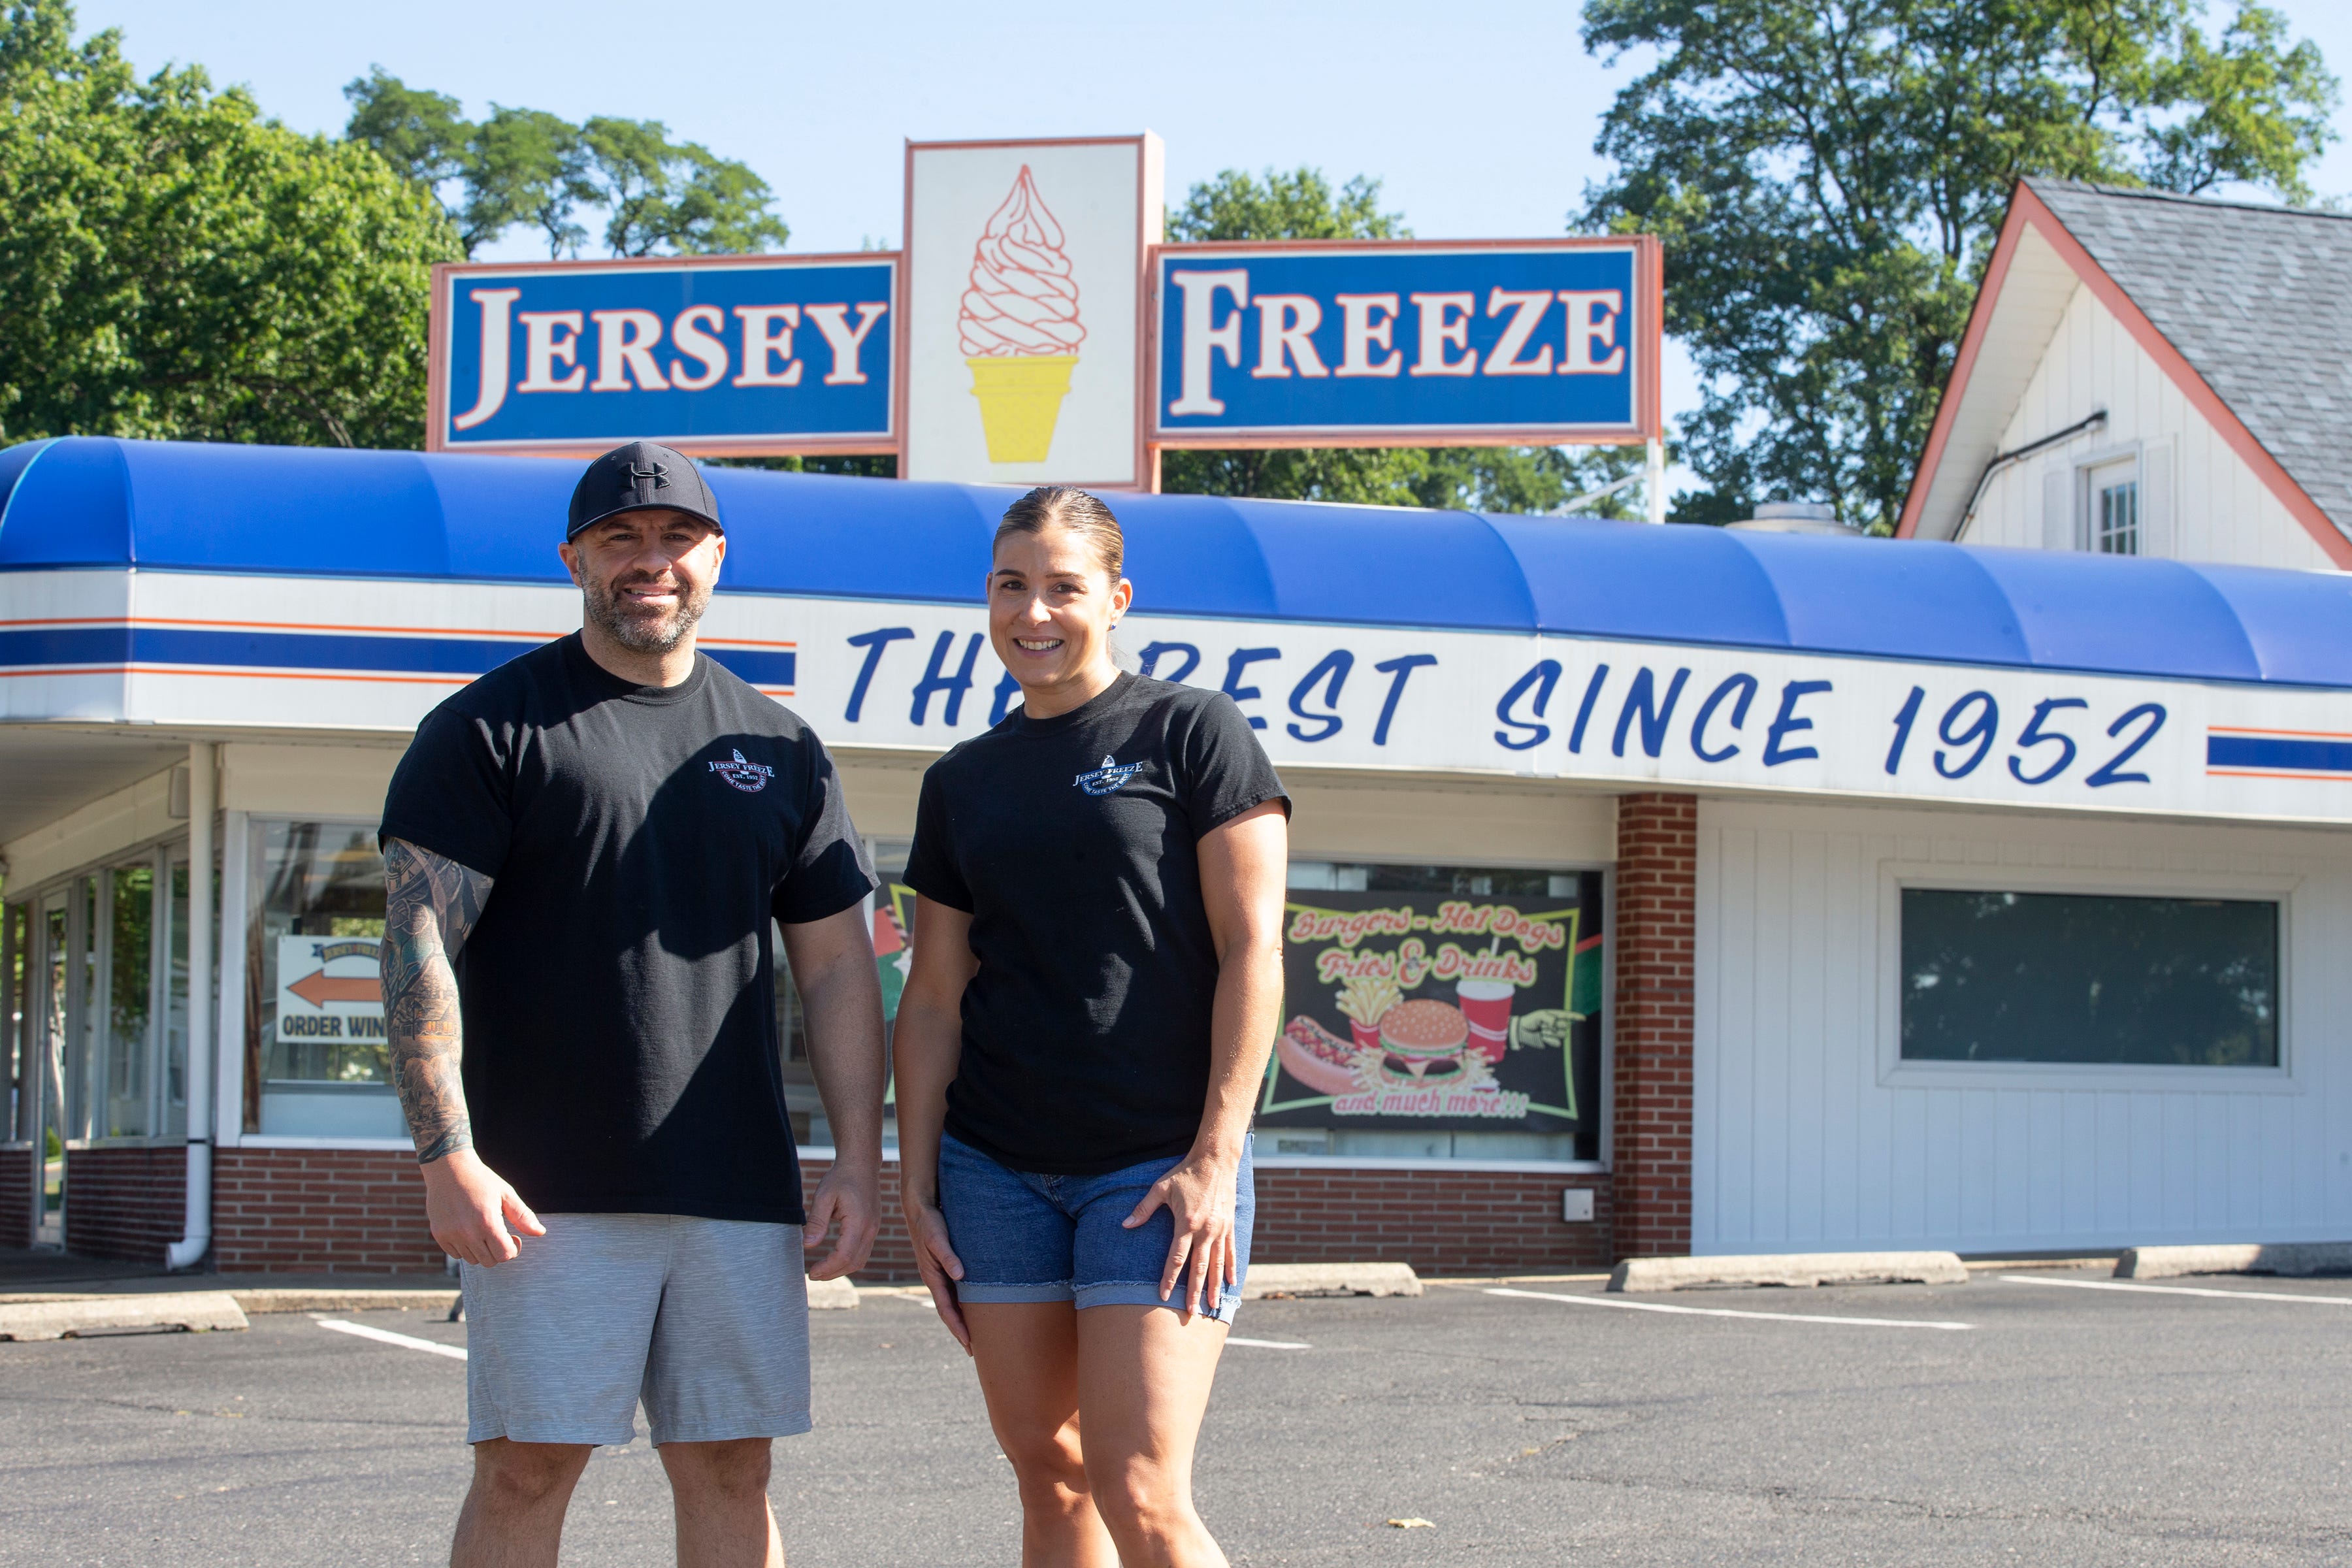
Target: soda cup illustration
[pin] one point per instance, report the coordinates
(1487, 1006)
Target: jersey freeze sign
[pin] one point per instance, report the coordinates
(709, 354)
(1405, 343)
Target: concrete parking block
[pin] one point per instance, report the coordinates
(831, 1295)
(196, 1310)
(2255, 1258)
(316, 1300)
(1796, 1268)
(1330, 1279)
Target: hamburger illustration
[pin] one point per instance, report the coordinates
(1423, 1038)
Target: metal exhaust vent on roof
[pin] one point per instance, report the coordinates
(1797, 517)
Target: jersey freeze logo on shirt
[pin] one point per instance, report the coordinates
(748, 776)
(1108, 778)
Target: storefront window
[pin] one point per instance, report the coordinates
(57, 1012)
(892, 913)
(15, 1034)
(2089, 979)
(124, 1108)
(315, 1036)
(1438, 1012)
(176, 1009)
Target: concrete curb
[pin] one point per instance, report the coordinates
(824, 1295)
(1330, 1279)
(1797, 1268)
(2257, 1257)
(196, 1310)
(279, 1299)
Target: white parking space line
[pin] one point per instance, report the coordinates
(2182, 1290)
(1729, 1312)
(1267, 1345)
(385, 1336)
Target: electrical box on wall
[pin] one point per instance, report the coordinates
(1576, 1206)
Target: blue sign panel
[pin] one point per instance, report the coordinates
(715, 354)
(1406, 340)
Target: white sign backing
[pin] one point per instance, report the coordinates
(1025, 267)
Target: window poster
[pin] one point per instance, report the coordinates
(1434, 1011)
(894, 935)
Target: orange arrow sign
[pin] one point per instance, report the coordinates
(319, 988)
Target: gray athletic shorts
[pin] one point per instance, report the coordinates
(705, 1321)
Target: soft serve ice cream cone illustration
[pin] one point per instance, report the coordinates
(1020, 327)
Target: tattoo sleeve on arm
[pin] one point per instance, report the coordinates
(430, 904)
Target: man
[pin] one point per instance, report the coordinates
(584, 850)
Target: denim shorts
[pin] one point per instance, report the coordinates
(1028, 1237)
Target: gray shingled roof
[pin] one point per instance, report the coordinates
(2258, 298)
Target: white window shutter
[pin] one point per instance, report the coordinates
(2058, 507)
(2156, 501)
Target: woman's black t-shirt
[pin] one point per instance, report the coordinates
(1072, 843)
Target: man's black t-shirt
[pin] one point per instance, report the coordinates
(1072, 841)
(617, 992)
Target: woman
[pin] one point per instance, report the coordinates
(1096, 983)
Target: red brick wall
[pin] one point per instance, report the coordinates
(320, 1211)
(1440, 1222)
(1657, 897)
(19, 1182)
(317, 1211)
(893, 1258)
(126, 1203)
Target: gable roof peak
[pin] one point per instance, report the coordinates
(2045, 186)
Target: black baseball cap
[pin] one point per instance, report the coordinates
(641, 477)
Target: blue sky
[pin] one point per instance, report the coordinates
(1478, 116)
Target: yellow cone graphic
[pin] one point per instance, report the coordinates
(1020, 399)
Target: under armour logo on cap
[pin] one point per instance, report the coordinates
(641, 477)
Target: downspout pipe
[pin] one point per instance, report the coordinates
(204, 801)
(2093, 421)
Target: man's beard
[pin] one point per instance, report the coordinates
(655, 633)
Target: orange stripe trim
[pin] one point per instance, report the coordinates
(223, 672)
(273, 627)
(2265, 773)
(2312, 734)
(419, 632)
(226, 673)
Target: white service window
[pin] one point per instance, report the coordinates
(2090, 979)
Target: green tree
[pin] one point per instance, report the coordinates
(175, 266)
(1302, 205)
(1297, 204)
(422, 135)
(526, 166)
(1829, 180)
(678, 198)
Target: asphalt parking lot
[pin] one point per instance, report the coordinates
(2181, 1422)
